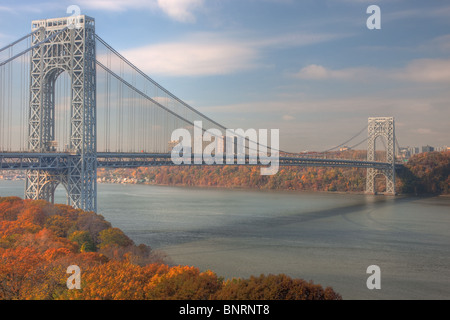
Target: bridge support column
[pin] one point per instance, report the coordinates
(71, 50)
(381, 127)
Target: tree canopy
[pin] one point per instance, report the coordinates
(39, 240)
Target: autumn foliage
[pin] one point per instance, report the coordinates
(38, 241)
(229, 176)
(423, 173)
(427, 173)
(275, 287)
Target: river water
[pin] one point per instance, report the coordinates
(328, 238)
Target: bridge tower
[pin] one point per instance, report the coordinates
(70, 49)
(381, 127)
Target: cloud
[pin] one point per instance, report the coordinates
(296, 39)
(426, 71)
(118, 5)
(418, 70)
(179, 10)
(288, 117)
(205, 54)
(199, 55)
(21, 9)
(425, 131)
(441, 43)
(313, 72)
(327, 121)
(6, 9)
(340, 106)
(433, 12)
(318, 72)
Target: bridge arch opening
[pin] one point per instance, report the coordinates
(62, 111)
(61, 195)
(380, 148)
(56, 190)
(380, 183)
(57, 113)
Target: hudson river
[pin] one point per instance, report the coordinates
(328, 238)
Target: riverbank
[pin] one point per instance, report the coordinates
(236, 188)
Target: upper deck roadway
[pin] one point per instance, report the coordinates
(59, 160)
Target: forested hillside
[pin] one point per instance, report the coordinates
(38, 241)
(427, 173)
(423, 173)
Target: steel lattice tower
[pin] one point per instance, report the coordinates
(71, 50)
(381, 127)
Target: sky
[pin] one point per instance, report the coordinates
(312, 68)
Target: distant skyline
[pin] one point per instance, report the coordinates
(309, 68)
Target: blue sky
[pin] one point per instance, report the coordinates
(309, 68)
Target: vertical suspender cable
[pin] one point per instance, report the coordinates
(2, 95)
(10, 101)
(21, 99)
(108, 100)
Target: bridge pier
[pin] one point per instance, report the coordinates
(381, 127)
(72, 50)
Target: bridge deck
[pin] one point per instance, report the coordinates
(59, 161)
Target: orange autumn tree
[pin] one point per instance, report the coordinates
(38, 241)
(275, 287)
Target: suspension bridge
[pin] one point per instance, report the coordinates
(70, 104)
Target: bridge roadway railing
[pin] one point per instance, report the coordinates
(33, 160)
(58, 161)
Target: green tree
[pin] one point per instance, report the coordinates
(113, 236)
(84, 240)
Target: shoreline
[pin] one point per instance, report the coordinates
(270, 190)
(233, 188)
(254, 189)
